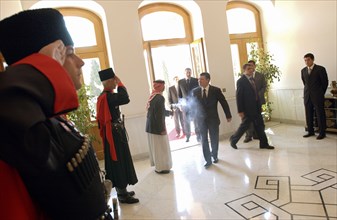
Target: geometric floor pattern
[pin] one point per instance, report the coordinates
(296, 181)
(285, 200)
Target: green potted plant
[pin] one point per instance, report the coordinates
(264, 65)
(82, 117)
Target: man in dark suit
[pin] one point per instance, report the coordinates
(315, 81)
(261, 85)
(173, 99)
(185, 86)
(249, 108)
(205, 99)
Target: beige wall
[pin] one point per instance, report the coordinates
(8, 8)
(294, 28)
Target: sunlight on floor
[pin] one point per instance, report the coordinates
(297, 180)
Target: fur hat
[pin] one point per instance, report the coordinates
(28, 31)
(106, 74)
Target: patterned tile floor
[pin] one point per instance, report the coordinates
(297, 180)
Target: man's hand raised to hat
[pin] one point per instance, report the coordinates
(55, 50)
(117, 79)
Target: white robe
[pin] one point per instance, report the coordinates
(160, 152)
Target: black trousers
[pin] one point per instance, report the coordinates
(188, 117)
(258, 126)
(250, 133)
(318, 108)
(212, 129)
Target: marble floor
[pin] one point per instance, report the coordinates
(297, 180)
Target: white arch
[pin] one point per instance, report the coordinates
(88, 5)
(191, 7)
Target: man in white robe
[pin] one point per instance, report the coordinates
(160, 153)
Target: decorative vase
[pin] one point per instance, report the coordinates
(334, 88)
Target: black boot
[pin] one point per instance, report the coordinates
(125, 197)
(122, 191)
(131, 193)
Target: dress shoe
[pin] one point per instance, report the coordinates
(308, 135)
(320, 137)
(247, 139)
(268, 147)
(207, 164)
(216, 160)
(131, 193)
(233, 145)
(163, 171)
(127, 199)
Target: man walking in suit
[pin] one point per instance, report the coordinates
(249, 108)
(206, 98)
(315, 81)
(261, 86)
(173, 99)
(185, 86)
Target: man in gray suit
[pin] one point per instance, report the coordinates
(315, 81)
(261, 85)
(173, 99)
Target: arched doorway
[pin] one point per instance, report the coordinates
(169, 49)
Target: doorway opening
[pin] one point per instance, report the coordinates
(170, 62)
(168, 50)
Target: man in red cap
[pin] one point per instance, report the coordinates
(160, 152)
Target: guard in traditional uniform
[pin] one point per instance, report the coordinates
(118, 161)
(43, 157)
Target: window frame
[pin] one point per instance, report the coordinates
(242, 39)
(99, 50)
(157, 7)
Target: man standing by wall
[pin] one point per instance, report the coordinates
(185, 86)
(249, 108)
(261, 86)
(206, 99)
(315, 81)
(173, 99)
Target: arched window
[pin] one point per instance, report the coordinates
(167, 35)
(244, 30)
(86, 29)
(163, 25)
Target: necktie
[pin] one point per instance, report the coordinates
(188, 84)
(252, 82)
(309, 70)
(204, 95)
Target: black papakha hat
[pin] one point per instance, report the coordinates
(29, 31)
(106, 74)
